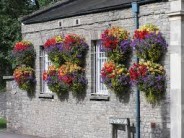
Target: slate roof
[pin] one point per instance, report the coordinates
(70, 8)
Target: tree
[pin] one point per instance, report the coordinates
(42, 3)
(10, 30)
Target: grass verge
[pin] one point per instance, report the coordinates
(2, 123)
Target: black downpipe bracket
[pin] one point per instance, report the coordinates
(135, 9)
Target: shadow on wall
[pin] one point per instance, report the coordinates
(31, 93)
(162, 129)
(79, 96)
(124, 97)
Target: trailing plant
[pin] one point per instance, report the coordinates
(55, 49)
(149, 43)
(24, 53)
(75, 49)
(25, 78)
(79, 82)
(116, 43)
(150, 78)
(115, 77)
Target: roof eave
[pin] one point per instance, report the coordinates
(117, 7)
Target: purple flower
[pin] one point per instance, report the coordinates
(125, 46)
(152, 47)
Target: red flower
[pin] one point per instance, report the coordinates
(71, 39)
(137, 71)
(140, 34)
(20, 46)
(67, 79)
(103, 73)
(50, 42)
(44, 75)
(108, 69)
(109, 41)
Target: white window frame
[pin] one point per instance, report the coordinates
(44, 64)
(98, 59)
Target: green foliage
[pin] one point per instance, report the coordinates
(43, 3)
(3, 123)
(56, 58)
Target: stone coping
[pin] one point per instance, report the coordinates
(122, 121)
(8, 77)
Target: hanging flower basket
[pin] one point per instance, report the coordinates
(115, 77)
(51, 78)
(75, 49)
(150, 78)
(55, 49)
(73, 76)
(24, 53)
(149, 43)
(116, 43)
(67, 55)
(25, 78)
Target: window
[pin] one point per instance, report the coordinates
(77, 22)
(98, 59)
(44, 64)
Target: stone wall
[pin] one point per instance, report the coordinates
(2, 104)
(70, 117)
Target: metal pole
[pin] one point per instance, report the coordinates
(135, 9)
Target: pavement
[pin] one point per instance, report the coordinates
(6, 134)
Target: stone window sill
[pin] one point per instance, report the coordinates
(46, 96)
(97, 97)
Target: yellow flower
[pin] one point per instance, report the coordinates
(120, 71)
(68, 68)
(26, 43)
(59, 39)
(118, 32)
(154, 68)
(149, 28)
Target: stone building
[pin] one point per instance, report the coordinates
(90, 117)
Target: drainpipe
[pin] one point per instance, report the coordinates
(135, 9)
